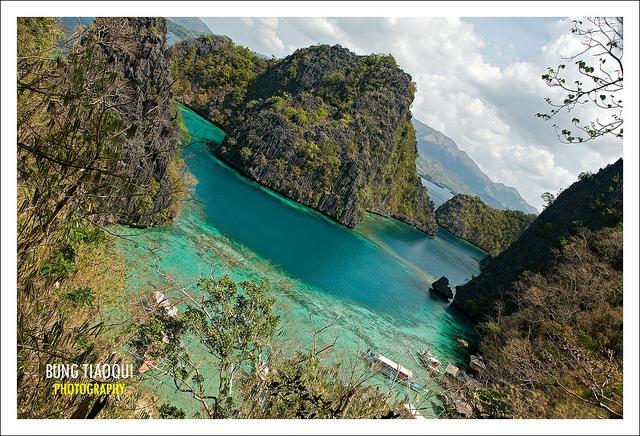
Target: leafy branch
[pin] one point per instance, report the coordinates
(599, 85)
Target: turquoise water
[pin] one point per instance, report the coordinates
(371, 282)
(437, 193)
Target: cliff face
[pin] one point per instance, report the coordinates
(324, 127)
(136, 49)
(592, 203)
(491, 229)
(443, 163)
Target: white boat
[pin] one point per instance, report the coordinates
(391, 369)
(429, 360)
(462, 342)
(452, 370)
(162, 301)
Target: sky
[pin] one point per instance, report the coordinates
(478, 81)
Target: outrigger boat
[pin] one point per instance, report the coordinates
(391, 369)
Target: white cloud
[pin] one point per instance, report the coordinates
(266, 30)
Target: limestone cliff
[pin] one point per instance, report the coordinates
(135, 48)
(323, 126)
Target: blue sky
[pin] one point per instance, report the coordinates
(478, 81)
(509, 40)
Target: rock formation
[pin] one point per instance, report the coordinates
(137, 49)
(441, 289)
(325, 127)
(493, 230)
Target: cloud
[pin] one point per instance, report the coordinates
(266, 30)
(489, 110)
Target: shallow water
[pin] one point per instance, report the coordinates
(370, 282)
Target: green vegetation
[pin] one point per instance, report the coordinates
(560, 354)
(329, 129)
(406, 190)
(77, 124)
(213, 75)
(235, 325)
(491, 229)
(550, 308)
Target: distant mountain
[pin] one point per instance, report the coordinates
(179, 28)
(443, 163)
(194, 24)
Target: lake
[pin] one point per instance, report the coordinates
(370, 282)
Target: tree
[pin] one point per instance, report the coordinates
(548, 198)
(232, 321)
(597, 82)
(247, 375)
(83, 126)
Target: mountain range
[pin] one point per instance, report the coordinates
(441, 161)
(179, 28)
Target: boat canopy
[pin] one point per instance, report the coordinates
(452, 370)
(390, 363)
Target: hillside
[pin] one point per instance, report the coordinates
(97, 143)
(443, 163)
(323, 126)
(592, 203)
(213, 75)
(551, 311)
(491, 229)
(150, 147)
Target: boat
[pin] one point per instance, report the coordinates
(462, 342)
(162, 301)
(452, 370)
(476, 363)
(429, 361)
(391, 369)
